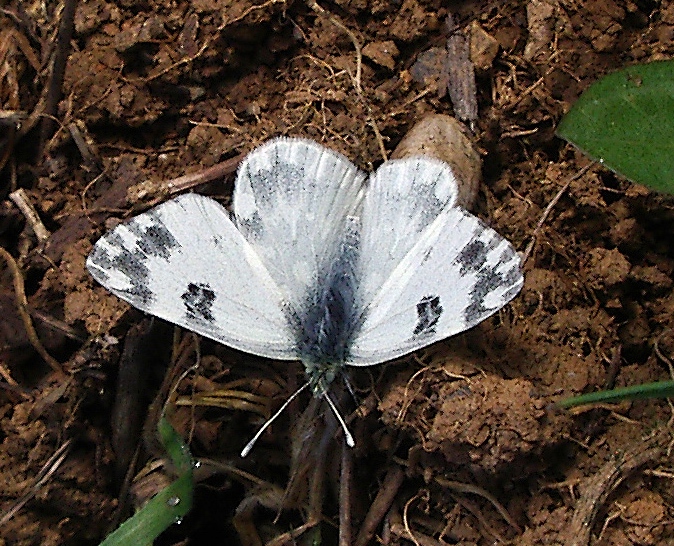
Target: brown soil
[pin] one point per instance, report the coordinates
(458, 445)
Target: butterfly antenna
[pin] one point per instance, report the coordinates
(347, 435)
(350, 388)
(246, 450)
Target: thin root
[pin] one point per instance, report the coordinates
(22, 306)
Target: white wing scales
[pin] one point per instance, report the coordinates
(291, 201)
(186, 262)
(453, 273)
(403, 198)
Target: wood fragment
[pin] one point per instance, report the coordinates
(345, 487)
(461, 81)
(128, 411)
(86, 146)
(127, 190)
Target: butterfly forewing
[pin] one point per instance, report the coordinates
(185, 261)
(291, 202)
(403, 198)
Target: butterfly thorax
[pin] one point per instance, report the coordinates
(329, 324)
(324, 336)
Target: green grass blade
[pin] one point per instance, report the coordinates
(659, 389)
(177, 450)
(168, 506)
(626, 121)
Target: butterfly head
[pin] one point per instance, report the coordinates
(321, 375)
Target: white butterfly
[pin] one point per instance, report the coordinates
(315, 263)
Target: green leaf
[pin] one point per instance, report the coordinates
(168, 506)
(659, 389)
(626, 121)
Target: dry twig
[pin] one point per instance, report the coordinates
(469, 488)
(55, 91)
(20, 199)
(600, 486)
(381, 504)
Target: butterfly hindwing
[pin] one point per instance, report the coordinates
(185, 261)
(458, 273)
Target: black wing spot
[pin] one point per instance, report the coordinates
(155, 239)
(158, 241)
(429, 311)
(131, 263)
(488, 280)
(472, 257)
(270, 185)
(198, 299)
